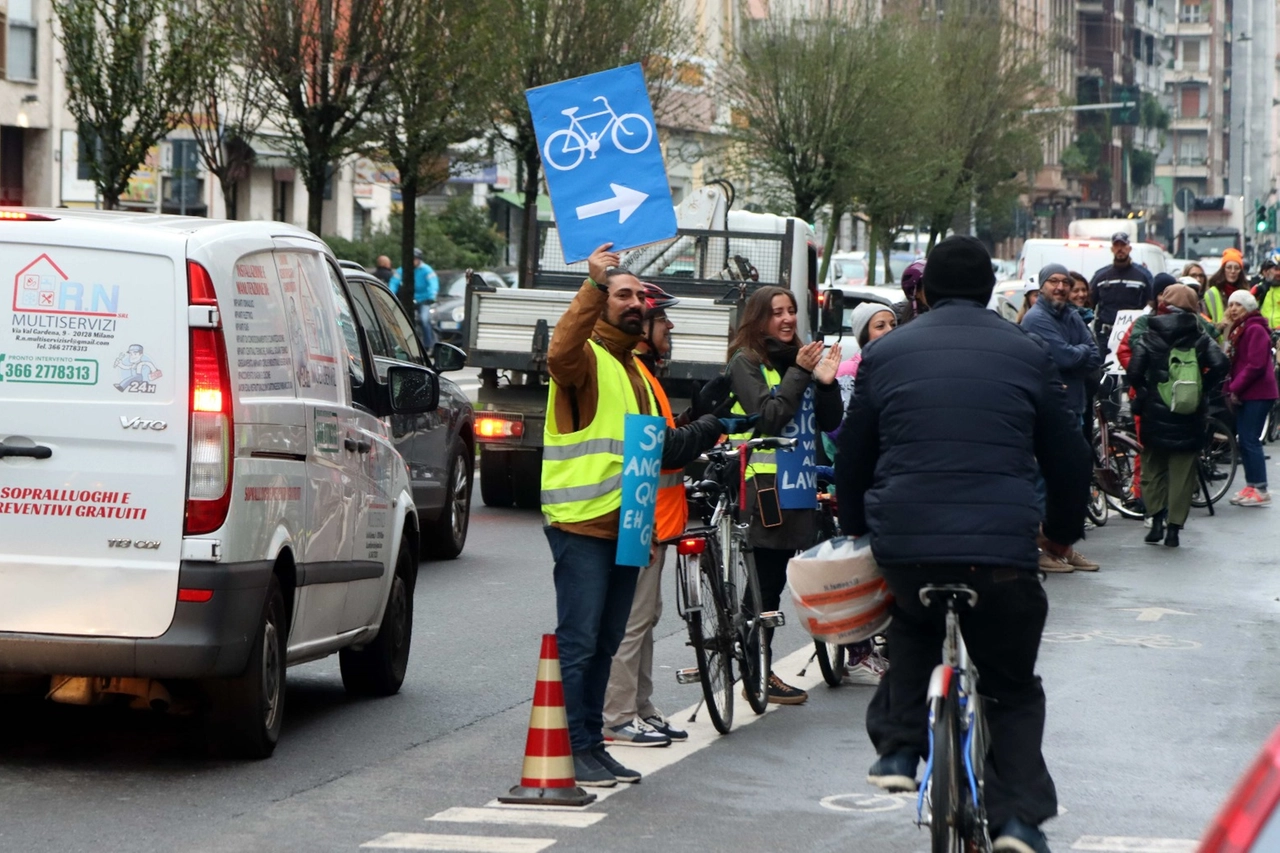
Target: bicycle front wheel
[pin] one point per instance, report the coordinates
(1097, 508)
(753, 639)
(831, 658)
(711, 635)
(946, 791)
(632, 133)
(1123, 453)
(1218, 462)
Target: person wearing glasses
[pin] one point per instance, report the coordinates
(1227, 280)
(1056, 322)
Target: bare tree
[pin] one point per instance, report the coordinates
(130, 66)
(225, 109)
(546, 41)
(326, 64)
(439, 93)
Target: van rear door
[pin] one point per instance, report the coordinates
(93, 438)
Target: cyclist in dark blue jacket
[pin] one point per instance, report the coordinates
(951, 418)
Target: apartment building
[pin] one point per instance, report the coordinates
(1195, 154)
(43, 163)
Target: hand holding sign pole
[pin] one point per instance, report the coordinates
(596, 135)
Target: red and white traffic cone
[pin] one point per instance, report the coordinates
(547, 778)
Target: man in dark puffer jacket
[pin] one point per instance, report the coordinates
(950, 419)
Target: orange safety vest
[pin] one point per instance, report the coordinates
(672, 510)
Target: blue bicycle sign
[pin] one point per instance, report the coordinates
(599, 143)
(631, 134)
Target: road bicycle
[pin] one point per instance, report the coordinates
(1114, 484)
(636, 134)
(717, 591)
(951, 800)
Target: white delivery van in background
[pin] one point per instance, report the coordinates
(196, 485)
(1083, 256)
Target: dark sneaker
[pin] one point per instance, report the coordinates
(781, 693)
(1018, 837)
(660, 725)
(894, 772)
(634, 733)
(590, 773)
(620, 773)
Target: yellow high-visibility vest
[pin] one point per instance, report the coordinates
(763, 461)
(582, 470)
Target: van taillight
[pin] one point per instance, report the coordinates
(212, 427)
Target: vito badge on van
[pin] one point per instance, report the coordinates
(141, 423)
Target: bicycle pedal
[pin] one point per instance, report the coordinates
(689, 675)
(773, 619)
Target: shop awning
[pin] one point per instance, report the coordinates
(516, 199)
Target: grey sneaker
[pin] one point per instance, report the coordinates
(620, 773)
(662, 726)
(590, 773)
(634, 733)
(894, 772)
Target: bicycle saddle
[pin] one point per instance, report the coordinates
(569, 112)
(964, 597)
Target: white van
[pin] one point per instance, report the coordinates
(1083, 256)
(196, 483)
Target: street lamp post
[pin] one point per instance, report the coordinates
(1245, 177)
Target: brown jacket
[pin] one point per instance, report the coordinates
(572, 364)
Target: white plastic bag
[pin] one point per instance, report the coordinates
(839, 593)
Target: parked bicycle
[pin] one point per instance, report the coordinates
(951, 800)
(717, 591)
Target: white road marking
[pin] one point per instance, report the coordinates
(1127, 844)
(702, 734)
(863, 803)
(457, 843)
(1153, 614)
(574, 819)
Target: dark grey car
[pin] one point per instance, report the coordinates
(438, 447)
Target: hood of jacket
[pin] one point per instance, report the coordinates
(1177, 329)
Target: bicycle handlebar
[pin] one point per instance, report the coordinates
(764, 442)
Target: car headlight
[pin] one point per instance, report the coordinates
(459, 313)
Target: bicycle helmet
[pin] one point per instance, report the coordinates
(657, 300)
(911, 278)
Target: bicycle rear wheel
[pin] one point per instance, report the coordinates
(831, 661)
(753, 639)
(1218, 462)
(946, 790)
(1122, 453)
(711, 635)
(1097, 508)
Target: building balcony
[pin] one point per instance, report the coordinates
(1189, 72)
(1191, 169)
(1200, 29)
(1197, 123)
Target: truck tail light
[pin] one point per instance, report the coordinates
(212, 440)
(495, 427)
(1250, 806)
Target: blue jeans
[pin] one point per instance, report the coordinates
(424, 324)
(593, 603)
(1250, 417)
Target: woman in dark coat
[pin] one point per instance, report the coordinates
(1171, 441)
(1252, 390)
(772, 372)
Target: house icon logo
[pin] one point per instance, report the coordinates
(43, 288)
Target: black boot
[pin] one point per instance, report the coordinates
(1156, 533)
(1171, 535)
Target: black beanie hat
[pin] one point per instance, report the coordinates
(1161, 281)
(959, 268)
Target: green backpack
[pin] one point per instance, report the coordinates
(1181, 391)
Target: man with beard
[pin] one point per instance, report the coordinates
(595, 383)
(1122, 286)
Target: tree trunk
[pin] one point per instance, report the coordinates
(873, 243)
(885, 247)
(408, 234)
(833, 225)
(315, 181)
(529, 247)
(228, 196)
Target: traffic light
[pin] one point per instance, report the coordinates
(1272, 212)
(1126, 115)
(1260, 217)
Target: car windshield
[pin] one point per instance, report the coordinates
(850, 269)
(1209, 246)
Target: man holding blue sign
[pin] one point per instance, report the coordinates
(604, 444)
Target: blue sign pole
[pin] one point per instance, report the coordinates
(643, 437)
(797, 471)
(599, 144)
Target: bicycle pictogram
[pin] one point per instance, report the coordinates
(576, 139)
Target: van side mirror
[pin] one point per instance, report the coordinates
(447, 357)
(412, 390)
(832, 312)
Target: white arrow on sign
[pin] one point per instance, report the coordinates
(625, 201)
(1153, 614)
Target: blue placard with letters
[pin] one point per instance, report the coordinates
(797, 472)
(600, 154)
(643, 437)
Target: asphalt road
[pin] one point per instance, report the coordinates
(1152, 717)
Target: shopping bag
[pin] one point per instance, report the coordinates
(838, 590)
